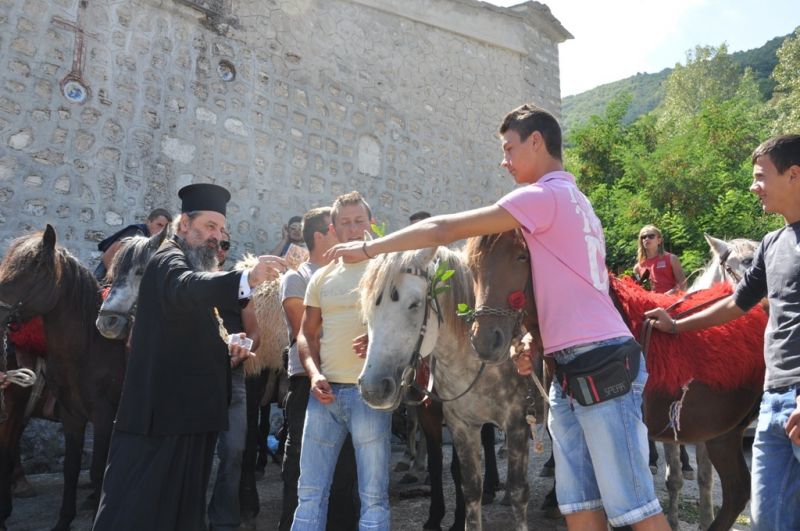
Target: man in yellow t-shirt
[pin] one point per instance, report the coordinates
(331, 321)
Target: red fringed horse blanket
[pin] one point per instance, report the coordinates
(29, 336)
(723, 357)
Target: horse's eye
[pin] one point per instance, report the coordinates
(378, 300)
(747, 262)
(522, 258)
(139, 272)
(394, 295)
(414, 305)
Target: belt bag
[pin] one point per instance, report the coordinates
(601, 374)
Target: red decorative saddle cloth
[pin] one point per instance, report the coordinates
(723, 357)
(29, 336)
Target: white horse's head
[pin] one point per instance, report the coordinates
(729, 262)
(125, 274)
(406, 319)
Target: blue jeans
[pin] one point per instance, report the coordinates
(223, 510)
(775, 502)
(324, 432)
(602, 455)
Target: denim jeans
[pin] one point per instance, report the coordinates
(343, 508)
(324, 432)
(223, 510)
(602, 456)
(775, 502)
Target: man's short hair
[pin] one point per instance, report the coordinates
(315, 220)
(419, 216)
(528, 118)
(159, 212)
(295, 219)
(783, 151)
(352, 198)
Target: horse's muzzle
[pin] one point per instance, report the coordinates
(491, 341)
(112, 326)
(380, 393)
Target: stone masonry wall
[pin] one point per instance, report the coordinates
(399, 100)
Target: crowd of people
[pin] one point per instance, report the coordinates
(184, 388)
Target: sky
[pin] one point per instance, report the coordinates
(618, 38)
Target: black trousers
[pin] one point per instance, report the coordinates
(344, 504)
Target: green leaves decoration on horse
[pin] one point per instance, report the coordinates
(440, 277)
(465, 312)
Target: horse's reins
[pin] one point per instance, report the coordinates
(408, 378)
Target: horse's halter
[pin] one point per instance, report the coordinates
(408, 378)
(726, 270)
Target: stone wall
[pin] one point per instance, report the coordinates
(288, 103)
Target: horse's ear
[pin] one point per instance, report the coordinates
(49, 237)
(424, 256)
(718, 247)
(157, 239)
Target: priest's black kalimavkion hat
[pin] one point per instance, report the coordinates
(204, 196)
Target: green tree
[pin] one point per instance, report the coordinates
(786, 100)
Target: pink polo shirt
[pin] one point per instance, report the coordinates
(568, 262)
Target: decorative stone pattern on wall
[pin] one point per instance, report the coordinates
(326, 96)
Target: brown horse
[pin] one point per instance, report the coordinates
(710, 414)
(84, 370)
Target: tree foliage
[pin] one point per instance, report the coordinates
(684, 167)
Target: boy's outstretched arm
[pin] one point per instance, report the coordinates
(716, 314)
(431, 232)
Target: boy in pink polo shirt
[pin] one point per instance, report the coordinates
(577, 319)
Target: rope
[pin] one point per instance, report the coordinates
(675, 411)
(20, 377)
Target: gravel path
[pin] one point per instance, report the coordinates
(40, 512)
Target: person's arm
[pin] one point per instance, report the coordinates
(716, 314)
(677, 272)
(431, 232)
(793, 424)
(308, 347)
(278, 250)
(293, 308)
(3, 381)
(250, 324)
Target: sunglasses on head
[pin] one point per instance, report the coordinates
(647, 236)
(225, 245)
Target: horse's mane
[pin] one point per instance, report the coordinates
(478, 246)
(723, 357)
(69, 281)
(383, 271)
(135, 252)
(132, 253)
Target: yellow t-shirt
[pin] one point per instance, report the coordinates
(334, 290)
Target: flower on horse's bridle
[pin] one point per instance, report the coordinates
(516, 300)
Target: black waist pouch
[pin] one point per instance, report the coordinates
(601, 374)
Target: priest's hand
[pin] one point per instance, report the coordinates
(238, 352)
(268, 268)
(321, 389)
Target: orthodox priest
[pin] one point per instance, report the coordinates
(177, 385)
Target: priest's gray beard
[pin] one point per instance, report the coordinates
(202, 257)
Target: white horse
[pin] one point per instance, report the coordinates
(407, 318)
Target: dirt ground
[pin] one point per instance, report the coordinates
(40, 512)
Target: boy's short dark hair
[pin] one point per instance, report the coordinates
(315, 220)
(528, 118)
(783, 151)
(419, 216)
(295, 219)
(351, 198)
(160, 212)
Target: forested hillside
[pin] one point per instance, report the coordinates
(647, 90)
(685, 165)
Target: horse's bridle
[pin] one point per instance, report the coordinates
(723, 259)
(408, 378)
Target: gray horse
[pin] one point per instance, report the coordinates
(405, 312)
